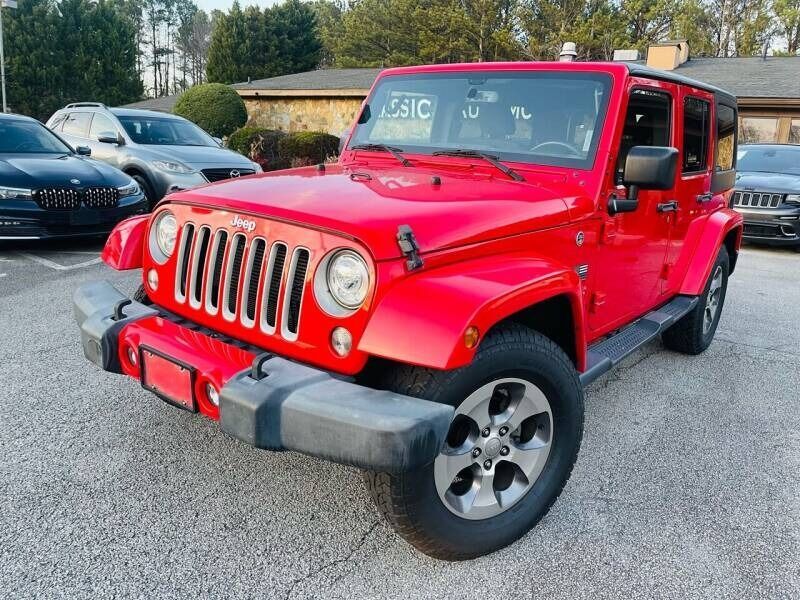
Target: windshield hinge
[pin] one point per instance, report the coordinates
(409, 247)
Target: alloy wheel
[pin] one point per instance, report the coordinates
(712, 300)
(497, 446)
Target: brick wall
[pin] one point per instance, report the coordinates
(332, 115)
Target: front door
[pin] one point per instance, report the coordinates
(632, 246)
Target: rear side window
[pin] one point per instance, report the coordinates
(77, 123)
(696, 131)
(726, 137)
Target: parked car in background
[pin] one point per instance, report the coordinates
(48, 189)
(161, 152)
(767, 193)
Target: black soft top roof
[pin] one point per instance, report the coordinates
(645, 71)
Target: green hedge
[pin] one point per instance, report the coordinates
(308, 148)
(260, 145)
(215, 107)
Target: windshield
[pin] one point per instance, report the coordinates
(165, 131)
(535, 117)
(28, 137)
(769, 159)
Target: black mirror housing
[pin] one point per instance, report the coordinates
(83, 150)
(651, 167)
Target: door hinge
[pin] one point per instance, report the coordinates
(409, 247)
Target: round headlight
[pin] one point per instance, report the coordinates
(348, 279)
(166, 233)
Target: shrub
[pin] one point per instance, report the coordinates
(259, 145)
(215, 107)
(308, 148)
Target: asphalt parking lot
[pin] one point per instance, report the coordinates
(687, 486)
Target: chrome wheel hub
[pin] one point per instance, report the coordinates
(497, 446)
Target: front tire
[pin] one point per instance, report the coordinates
(509, 452)
(694, 332)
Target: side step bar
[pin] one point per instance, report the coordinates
(605, 354)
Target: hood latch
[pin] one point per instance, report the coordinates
(409, 247)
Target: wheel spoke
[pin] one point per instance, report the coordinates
(533, 403)
(485, 496)
(531, 460)
(455, 463)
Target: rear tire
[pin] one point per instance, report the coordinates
(448, 518)
(695, 331)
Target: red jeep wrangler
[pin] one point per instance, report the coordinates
(493, 238)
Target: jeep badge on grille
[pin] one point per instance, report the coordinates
(241, 223)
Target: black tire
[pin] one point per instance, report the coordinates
(140, 296)
(689, 336)
(147, 189)
(410, 501)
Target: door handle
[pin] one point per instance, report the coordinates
(671, 206)
(703, 198)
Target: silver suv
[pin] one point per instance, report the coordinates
(162, 152)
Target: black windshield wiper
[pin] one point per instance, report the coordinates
(384, 148)
(487, 157)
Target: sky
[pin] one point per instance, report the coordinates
(224, 5)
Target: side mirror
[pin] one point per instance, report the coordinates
(218, 140)
(83, 150)
(108, 137)
(646, 168)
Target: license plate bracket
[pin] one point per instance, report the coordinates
(168, 378)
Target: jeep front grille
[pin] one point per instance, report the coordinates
(757, 199)
(249, 281)
(71, 198)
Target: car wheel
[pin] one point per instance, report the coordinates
(693, 333)
(147, 190)
(510, 449)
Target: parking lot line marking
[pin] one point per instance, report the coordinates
(3, 274)
(57, 267)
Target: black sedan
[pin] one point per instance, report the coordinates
(48, 190)
(767, 193)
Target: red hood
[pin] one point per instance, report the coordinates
(369, 203)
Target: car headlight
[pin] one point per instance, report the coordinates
(172, 167)
(9, 193)
(163, 236)
(257, 168)
(131, 189)
(794, 198)
(348, 279)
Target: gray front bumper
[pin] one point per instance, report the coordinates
(284, 405)
(94, 305)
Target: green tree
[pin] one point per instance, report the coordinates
(68, 51)
(294, 24)
(788, 15)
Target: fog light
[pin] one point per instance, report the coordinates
(152, 279)
(132, 358)
(342, 341)
(212, 394)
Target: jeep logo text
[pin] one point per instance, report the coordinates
(245, 224)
